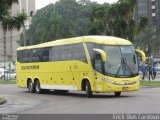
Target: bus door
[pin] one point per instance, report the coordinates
(98, 66)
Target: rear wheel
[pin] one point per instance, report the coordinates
(38, 87)
(88, 90)
(30, 87)
(117, 94)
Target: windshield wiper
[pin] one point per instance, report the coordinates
(127, 66)
(123, 61)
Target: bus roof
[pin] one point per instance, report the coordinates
(109, 40)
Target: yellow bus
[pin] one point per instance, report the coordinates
(88, 63)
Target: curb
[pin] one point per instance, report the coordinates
(2, 101)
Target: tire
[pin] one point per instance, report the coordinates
(31, 87)
(88, 90)
(117, 94)
(38, 89)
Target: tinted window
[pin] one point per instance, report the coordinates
(44, 54)
(56, 53)
(23, 56)
(79, 53)
(35, 56)
(66, 52)
(98, 63)
(90, 46)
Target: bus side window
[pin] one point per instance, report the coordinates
(34, 55)
(79, 53)
(25, 56)
(66, 52)
(19, 56)
(56, 53)
(44, 54)
(90, 47)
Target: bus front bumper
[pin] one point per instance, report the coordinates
(121, 88)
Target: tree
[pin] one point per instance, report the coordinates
(15, 22)
(98, 25)
(8, 22)
(70, 19)
(147, 39)
(5, 5)
(116, 20)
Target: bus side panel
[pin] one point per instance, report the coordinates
(20, 76)
(83, 71)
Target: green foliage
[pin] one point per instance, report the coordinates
(5, 5)
(8, 82)
(19, 19)
(143, 22)
(147, 39)
(69, 18)
(151, 84)
(9, 22)
(2, 100)
(116, 20)
(98, 25)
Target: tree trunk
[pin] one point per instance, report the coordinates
(4, 50)
(11, 45)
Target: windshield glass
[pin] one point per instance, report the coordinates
(121, 61)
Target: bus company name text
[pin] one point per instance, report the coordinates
(32, 67)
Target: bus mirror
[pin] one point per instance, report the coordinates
(143, 56)
(102, 53)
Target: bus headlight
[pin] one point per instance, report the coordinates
(121, 83)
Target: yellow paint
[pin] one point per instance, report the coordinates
(103, 54)
(66, 74)
(142, 54)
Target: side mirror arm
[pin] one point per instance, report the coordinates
(103, 54)
(142, 54)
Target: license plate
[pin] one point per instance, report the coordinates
(125, 88)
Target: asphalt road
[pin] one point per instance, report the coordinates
(147, 100)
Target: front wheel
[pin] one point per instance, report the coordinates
(88, 90)
(117, 94)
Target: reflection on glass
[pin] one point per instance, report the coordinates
(121, 61)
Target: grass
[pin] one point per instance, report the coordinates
(151, 83)
(8, 82)
(2, 100)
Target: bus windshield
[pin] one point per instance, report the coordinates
(121, 61)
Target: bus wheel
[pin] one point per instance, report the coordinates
(30, 87)
(38, 87)
(117, 94)
(88, 89)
